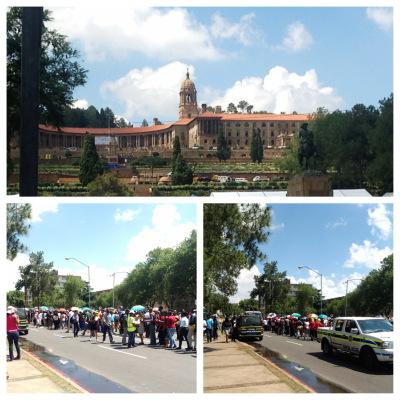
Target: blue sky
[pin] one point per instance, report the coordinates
(280, 58)
(341, 241)
(108, 237)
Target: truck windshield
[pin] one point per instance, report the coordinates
(250, 320)
(375, 325)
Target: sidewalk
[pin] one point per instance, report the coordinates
(235, 368)
(31, 375)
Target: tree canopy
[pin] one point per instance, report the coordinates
(257, 149)
(223, 150)
(232, 235)
(90, 165)
(18, 216)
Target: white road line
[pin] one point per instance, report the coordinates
(120, 351)
(297, 344)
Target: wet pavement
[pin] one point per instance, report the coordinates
(90, 381)
(302, 373)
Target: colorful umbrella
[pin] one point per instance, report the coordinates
(44, 308)
(137, 308)
(323, 316)
(86, 309)
(296, 315)
(74, 309)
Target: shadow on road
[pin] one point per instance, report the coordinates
(347, 361)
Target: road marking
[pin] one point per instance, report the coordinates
(63, 362)
(120, 351)
(297, 344)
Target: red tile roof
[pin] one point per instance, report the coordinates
(184, 121)
(265, 117)
(105, 131)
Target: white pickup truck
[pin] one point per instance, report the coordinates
(370, 339)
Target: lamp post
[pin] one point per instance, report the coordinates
(113, 275)
(347, 288)
(321, 281)
(88, 267)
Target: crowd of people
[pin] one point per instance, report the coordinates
(167, 328)
(290, 325)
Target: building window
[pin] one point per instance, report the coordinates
(238, 141)
(293, 124)
(213, 141)
(205, 141)
(237, 124)
(247, 134)
(246, 142)
(263, 124)
(228, 124)
(271, 124)
(229, 133)
(237, 133)
(246, 124)
(263, 141)
(272, 142)
(229, 142)
(272, 133)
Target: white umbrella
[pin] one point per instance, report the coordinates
(74, 309)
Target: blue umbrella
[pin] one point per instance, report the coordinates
(86, 309)
(296, 315)
(137, 308)
(323, 316)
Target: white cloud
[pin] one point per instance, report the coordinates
(341, 222)
(297, 38)
(149, 92)
(166, 230)
(275, 226)
(40, 208)
(331, 287)
(381, 16)
(366, 254)
(80, 103)
(241, 31)
(106, 33)
(379, 220)
(12, 267)
(126, 215)
(245, 284)
(281, 91)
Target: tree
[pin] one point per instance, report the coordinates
(182, 174)
(232, 234)
(16, 298)
(60, 72)
(17, 226)
(145, 123)
(249, 108)
(107, 185)
(257, 149)
(289, 162)
(242, 105)
(90, 166)
(231, 108)
(305, 297)
(73, 291)
(37, 277)
(248, 305)
(223, 151)
(176, 149)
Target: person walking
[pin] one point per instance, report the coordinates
(13, 333)
(123, 319)
(171, 328)
(184, 331)
(210, 324)
(94, 327)
(227, 328)
(107, 326)
(192, 330)
(131, 329)
(75, 323)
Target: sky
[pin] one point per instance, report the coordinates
(108, 237)
(278, 59)
(340, 241)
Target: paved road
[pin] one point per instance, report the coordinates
(140, 369)
(342, 369)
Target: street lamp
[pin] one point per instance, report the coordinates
(88, 267)
(347, 288)
(321, 281)
(113, 275)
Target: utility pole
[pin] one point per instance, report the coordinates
(32, 20)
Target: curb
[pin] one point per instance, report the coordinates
(273, 365)
(55, 371)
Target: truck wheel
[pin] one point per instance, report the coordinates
(260, 338)
(326, 347)
(368, 358)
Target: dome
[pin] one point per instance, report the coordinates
(187, 83)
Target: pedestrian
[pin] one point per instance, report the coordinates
(124, 325)
(131, 328)
(107, 322)
(215, 327)
(209, 329)
(139, 327)
(227, 328)
(94, 327)
(62, 320)
(184, 331)
(171, 329)
(75, 323)
(162, 328)
(192, 330)
(152, 328)
(13, 333)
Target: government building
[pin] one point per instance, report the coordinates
(196, 128)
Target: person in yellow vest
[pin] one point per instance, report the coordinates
(131, 330)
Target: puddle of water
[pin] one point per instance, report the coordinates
(92, 382)
(302, 373)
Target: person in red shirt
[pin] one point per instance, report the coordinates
(313, 328)
(170, 324)
(13, 333)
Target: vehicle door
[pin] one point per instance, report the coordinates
(337, 334)
(352, 332)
